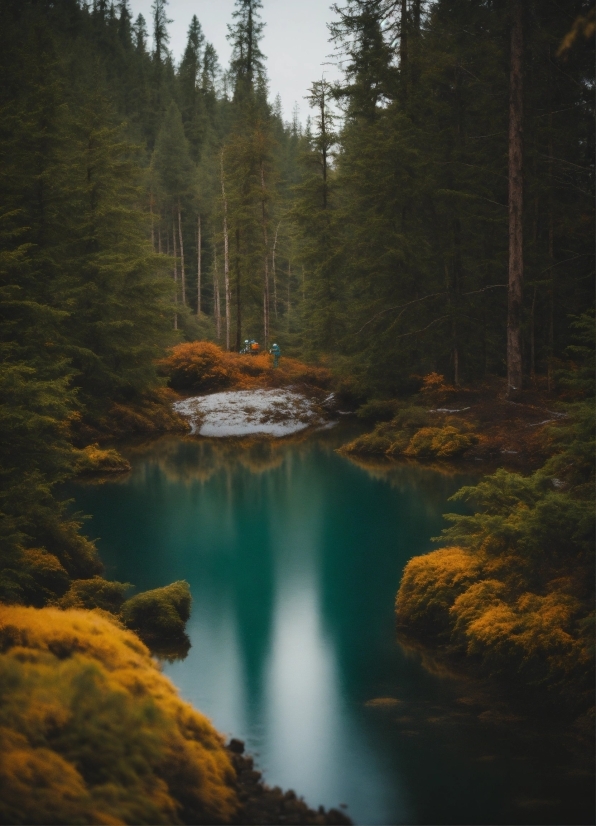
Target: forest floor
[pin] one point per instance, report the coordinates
(510, 433)
(461, 425)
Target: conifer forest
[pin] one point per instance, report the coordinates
(411, 252)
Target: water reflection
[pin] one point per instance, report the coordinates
(294, 554)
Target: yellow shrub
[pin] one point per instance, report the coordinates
(421, 443)
(92, 732)
(92, 459)
(429, 586)
(439, 442)
(450, 442)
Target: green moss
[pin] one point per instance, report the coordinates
(160, 614)
(95, 593)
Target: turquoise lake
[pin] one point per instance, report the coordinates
(294, 556)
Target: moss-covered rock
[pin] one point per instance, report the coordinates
(95, 593)
(159, 615)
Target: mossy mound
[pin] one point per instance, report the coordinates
(95, 593)
(92, 732)
(159, 615)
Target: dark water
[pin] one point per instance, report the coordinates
(294, 556)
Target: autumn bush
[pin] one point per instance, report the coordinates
(92, 732)
(410, 432)
(514, 591)
(203, 367)
(93, 459)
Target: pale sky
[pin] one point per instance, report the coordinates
(295, 40)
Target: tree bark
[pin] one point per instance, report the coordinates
(216, 298)
(265, 263)
(175, 273)
(152, 222)
(182, 275)
(199, 239)
(403, 49)
(226, 257)
(238, 296)
(273, 271)
(516, 187)
(289, 283)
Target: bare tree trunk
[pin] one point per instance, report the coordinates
(266, 263)
(238, 296)
(226, 257)
(182, 275)
(216, 299)
(551, 243)
(516, 191)
(159, 240)
(533, 338)
(152, 222)
(274, 273)
(175, 273)
(403, 49)
(289, 283)
(199, 240)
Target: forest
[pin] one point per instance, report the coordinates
(432, 217)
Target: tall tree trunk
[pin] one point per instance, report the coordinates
(274, 272)
(175, 273)
(152, 222)
(533, 338)
(227, 290)
(403, 49)
(238, 296)
(516, 192)
(265, 263)
(182, 274)
(289, 284)
(159, 240)
(551, 238)
(216, 298)
(199, 241)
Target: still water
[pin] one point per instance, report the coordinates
(294, 555)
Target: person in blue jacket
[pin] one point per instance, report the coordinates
(276, 353)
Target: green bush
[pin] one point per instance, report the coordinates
(378, 410)
(95, 593)
(159, 614)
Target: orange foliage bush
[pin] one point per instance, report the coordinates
(92, 459)
(435, 388)
(449, 597)
(203, 367)
(92, 732)
(429, 586)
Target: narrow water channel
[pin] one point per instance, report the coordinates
(294, 555)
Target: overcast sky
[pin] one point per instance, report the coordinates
(295, 40)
